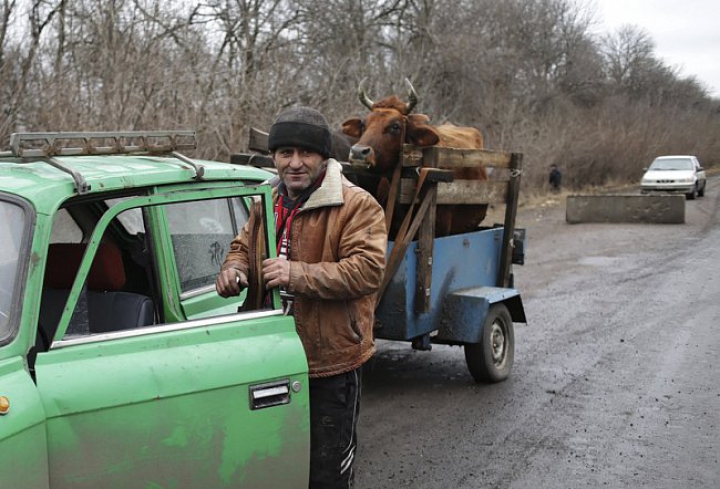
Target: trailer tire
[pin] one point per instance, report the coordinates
(491, 360)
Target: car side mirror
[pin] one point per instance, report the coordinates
(700, 168)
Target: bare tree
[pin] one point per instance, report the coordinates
(40, 14)
(630, 58)
(528, 73)
(7, 11)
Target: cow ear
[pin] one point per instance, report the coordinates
(352, 127)
(418, 119)
(420, 133)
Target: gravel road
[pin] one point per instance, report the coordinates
(616, 380)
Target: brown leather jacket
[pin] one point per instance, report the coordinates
(337, 262)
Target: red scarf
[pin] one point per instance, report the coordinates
(283, 221)
(286, 210)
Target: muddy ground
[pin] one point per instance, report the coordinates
(616, 380)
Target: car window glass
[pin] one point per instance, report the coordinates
(672, 164)
(65, 229)
(240, 211)
(12, 224)
(132, 219)
(201, 232)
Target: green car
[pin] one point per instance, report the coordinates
(120, 366)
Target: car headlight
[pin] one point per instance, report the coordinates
(685, 180)
(646, 181)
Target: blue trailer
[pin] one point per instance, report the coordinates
(457, 290)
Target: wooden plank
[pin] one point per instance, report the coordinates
(400, 247)
(454, 157)
(460, 192)
(513, 193)
(433, 174)
(426, 242)
(258, 140)
(258, 160)
(411, 155)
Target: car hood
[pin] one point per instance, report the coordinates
(668, 174)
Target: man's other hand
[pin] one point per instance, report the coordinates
(276, 272)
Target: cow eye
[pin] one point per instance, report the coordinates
(394, 128)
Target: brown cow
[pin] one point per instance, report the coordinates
(380, 141)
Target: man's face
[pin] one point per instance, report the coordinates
(298, 168)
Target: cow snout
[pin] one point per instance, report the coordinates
(362, 156)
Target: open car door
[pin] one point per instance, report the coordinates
(213, 401)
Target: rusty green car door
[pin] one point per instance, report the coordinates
(217, 401)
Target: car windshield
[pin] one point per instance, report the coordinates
(672, 164)
(12, 219)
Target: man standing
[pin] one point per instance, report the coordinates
(555, 178)
(331, 244)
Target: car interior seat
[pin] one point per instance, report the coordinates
(103, 307)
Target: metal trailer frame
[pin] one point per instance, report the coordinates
(464, 267)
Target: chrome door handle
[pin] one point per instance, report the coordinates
(269, 394)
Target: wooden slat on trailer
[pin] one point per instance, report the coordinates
(502, 187)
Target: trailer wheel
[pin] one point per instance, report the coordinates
(491, 360)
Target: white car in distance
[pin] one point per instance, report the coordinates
(680, 174)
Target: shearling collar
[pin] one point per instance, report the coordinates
(330, 191)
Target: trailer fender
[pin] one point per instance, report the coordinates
(464, 312)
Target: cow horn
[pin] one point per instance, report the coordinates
(364, 99)
(412, 96)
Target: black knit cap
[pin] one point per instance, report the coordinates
(302, 127)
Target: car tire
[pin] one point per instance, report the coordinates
(491, 360)
(701, 191)
(693, 194)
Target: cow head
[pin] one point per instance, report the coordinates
(385, 129)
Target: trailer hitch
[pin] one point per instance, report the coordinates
(422, 342)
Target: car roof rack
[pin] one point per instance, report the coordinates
(48, 145)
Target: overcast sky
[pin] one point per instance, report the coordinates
(686, 33)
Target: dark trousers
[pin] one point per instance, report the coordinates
(334, 409)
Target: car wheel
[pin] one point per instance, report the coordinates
(492, 359)
(692, 195)
(701, 191)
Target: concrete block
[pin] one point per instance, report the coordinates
(662, 209)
